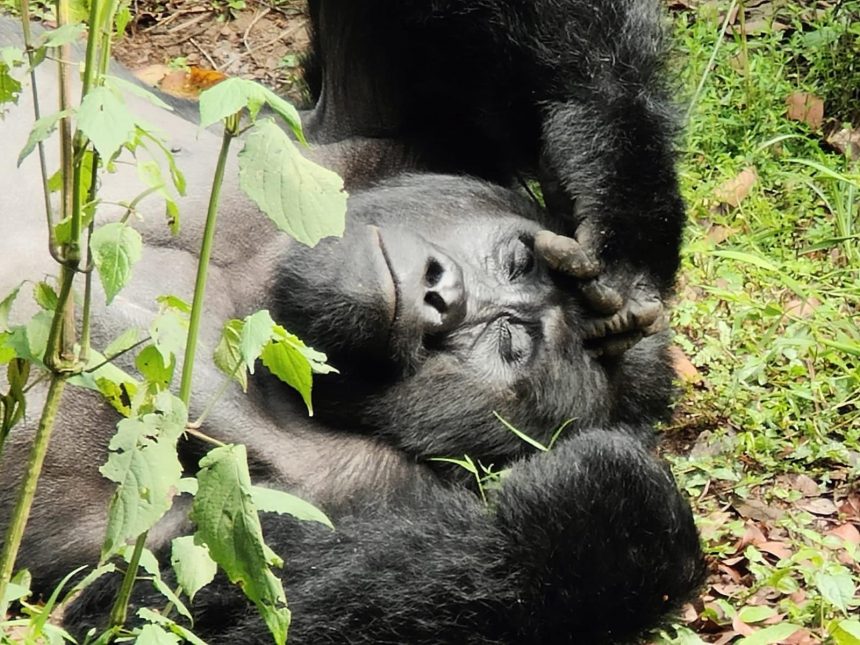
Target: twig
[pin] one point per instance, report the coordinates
(204, 52)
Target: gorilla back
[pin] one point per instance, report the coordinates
(437, 312)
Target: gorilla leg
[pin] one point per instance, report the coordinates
(589, 543)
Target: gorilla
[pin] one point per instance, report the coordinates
(444, 302)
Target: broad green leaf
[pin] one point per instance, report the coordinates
(29, 341)
(770, 635)
(104, 118)
(168, 332)
(6, 307)
(227, 356)
(272, 500)
(124, 86)
(174, 302)
(122, 343)
(150, 174)
(303, 199)
(288, 364)
(152, 634)
(118, 394)
(756, 614)
(19, 587)
(845, 632)
(257, 330)
(115, 247)
(11, 56)
(837, 589)
(227, 522)
(234, 94)
(42, 129)
(193, 565)
(6, 352)
(122, 18)
(97, 369)
(154, 617)
(150, 364)
(144, 464)
(65, 35)
(45, 296)
(10, 87)
(149, 563)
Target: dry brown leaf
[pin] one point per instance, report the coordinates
(802, 308)
(151, 74)
(685, 370)
(736, 189)
(818, 506)
(804, 484)
(805, 107)
(726, 637)
(846, 141)
(802, 637)
(847, 532)
(741, 627)
(718, 234)
(778, 549)
(189, 83)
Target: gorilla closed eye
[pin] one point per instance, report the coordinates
(433, 272)
(522, 259)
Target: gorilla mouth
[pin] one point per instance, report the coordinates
(391, 291)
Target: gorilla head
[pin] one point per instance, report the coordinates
(437, 312)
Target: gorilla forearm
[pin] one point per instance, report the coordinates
(571, 92)
(591, 541)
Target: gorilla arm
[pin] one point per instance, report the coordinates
(589, 543)
(569, 91)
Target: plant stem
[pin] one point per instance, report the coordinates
(203, 263)
(119, 611)
(15, 531)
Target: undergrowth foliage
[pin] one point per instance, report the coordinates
(98, 132)
(767, 313)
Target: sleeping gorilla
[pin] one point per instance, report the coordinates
(443, 303)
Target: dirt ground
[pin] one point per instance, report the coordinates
(262, 41)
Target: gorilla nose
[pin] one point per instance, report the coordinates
(444, 304)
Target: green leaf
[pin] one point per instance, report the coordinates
(120, 85)
(150, 174)
(150, 364)
(837, 589)
(302, 198)
(104, 118)
(769, 635)
(115, 247)
(65, 35)
(45, 296)
(156, 618)
(288, 364)
(174, 302)
(152, 634)
(234, 94)
(31, 340)
(168, 332)
(119, 394)
(747, 258)
(228, 357)
(144, 464)
(227, 522)
(122, 343)
(756, 614)
(257, 330)
(6, 307)
(42, 129)
(845, 632)
(193, 565)
(10, 87)
(272, 500)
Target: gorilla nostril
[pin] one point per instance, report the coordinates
(435, 300)
(432, 274)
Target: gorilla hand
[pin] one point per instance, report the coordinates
(627, 306)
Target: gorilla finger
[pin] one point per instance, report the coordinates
(603, 298)
(566, 255)
(645, 313)
(660, 324)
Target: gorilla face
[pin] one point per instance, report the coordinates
(451, 303)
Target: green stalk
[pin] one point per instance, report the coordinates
(120, 607)
(203, 264)
(119, 611)
(18, 521)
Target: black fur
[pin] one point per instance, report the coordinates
(437, 312)
(572, 92)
